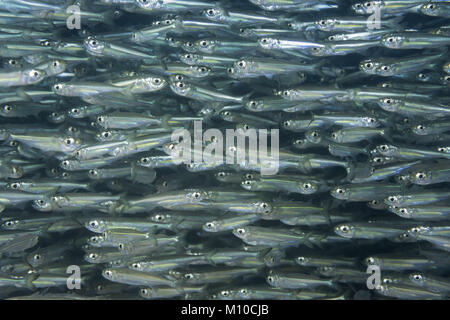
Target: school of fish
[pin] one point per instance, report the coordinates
(94, 206)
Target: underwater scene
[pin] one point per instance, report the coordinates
(224, 150)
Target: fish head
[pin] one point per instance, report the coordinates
(417, 278)
(110, 274)
(326, 24)
(345, 230)
(313, 136)
(242, 233)
(373, 261)
(149, 4)
(96, 240)
(393, 41)
(430, 9)
(181, 88)
(200, 71)
(368, 66)
(273, 279)
(190, 58)
(212, 226)
(215, 14)
(96, 225)
(205, 45)
(78, 112)
(269, 43)
(421, 177)
(56, 67)
(33, 76)
(11, 225)
(42, 205)
(404, 212)
(308, 187)
(94, 46)
(92, 257)
(255, 105)
(248, 184)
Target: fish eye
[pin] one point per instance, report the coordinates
(322, 22)
(344, 229)
(384, 147)
(270, 279)
(41, 202)
(286, 93)
(225, 293)
(334, 135)
(242, 64)
(240, 231)
(108, 273)
(165, 184)
(203, 43)
(188, 56)
(210, 12)
(403, 211)
(55, 63)
(93, 256)
(301, 259)
(221, 174)
(145, 160)
(159, 217)
(386, 85)
(106, 134)
(136, 265)
(358, 6)
(252, 104)
(12, 62)
(369, 65)
(93, 42)
(34, 73)
(180, 84)
(340, 190)
(188, 276)
(100, 119)
(7, 108)
(65, 163)
(144, 291)
(247, 182)
(189, 44)
(420, 175)
(391, 39)
(94, 224)
(210, 224)
(417, 277)
(370, 260)
(331, 38)
(69, 141)
(196, 195)
(65, 174)
(93, 172)
(307, 185)
(392, 198)
(431, 6)
(156, 81)
(421, 76)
